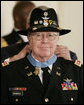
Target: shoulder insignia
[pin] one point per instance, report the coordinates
(78, 63)
(3, 43)
(5, 63)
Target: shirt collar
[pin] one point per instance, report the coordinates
(36, 63)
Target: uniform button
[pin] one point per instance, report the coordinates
(71, 99)
(16, 100)
(46, 100)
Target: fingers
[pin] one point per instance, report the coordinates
(61, 48)
(26, 49)
(21, 54)
(63, 51)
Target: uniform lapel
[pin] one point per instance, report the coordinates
(28, 74)
(59, 73)
(55, 80)
(35, 81)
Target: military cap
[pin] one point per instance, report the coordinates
(44, 20)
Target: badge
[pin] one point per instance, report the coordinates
(34, 28)
(57, 73)
(35, 22)
(45, 19)
(68, 85)
(29, 74)
(50, 22)
(26, 67)
(54, 22)
(36, 72)
(45, 14)
(45, 23)
(78, 63)
(40, 21)
(18, 88)
(17, 91)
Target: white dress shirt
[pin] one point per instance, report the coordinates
(25, 39)
(41, 73)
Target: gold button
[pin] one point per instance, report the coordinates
(71, 99)
(46, 100)
(16, 100)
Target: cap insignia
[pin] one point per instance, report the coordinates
(45, 14)
(34, 28)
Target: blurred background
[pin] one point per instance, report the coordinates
(70, 14)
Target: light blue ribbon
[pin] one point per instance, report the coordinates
(41, 64)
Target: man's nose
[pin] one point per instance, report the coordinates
(45, 38)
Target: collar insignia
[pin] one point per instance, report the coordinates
(26, 67)
(36, 72)
(57, 73)
(29, 74)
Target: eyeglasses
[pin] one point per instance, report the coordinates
(50, 36)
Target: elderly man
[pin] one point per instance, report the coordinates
(19, 51)
(41, 77)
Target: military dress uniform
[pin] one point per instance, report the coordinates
(21, 84)
(11, 39)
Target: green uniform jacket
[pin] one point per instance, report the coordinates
(20, 85)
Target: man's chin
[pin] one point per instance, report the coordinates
(45, 55)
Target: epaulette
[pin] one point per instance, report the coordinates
(78, 63)
(3, 43)
(5, 63)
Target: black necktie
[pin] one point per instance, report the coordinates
(46, 77)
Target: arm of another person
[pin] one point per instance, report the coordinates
(11, 50)
(61, 51)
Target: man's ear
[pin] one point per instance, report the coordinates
(27, 26)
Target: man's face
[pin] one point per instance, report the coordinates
(43, 44)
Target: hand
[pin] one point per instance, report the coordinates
(21, 54)
(62, 51)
